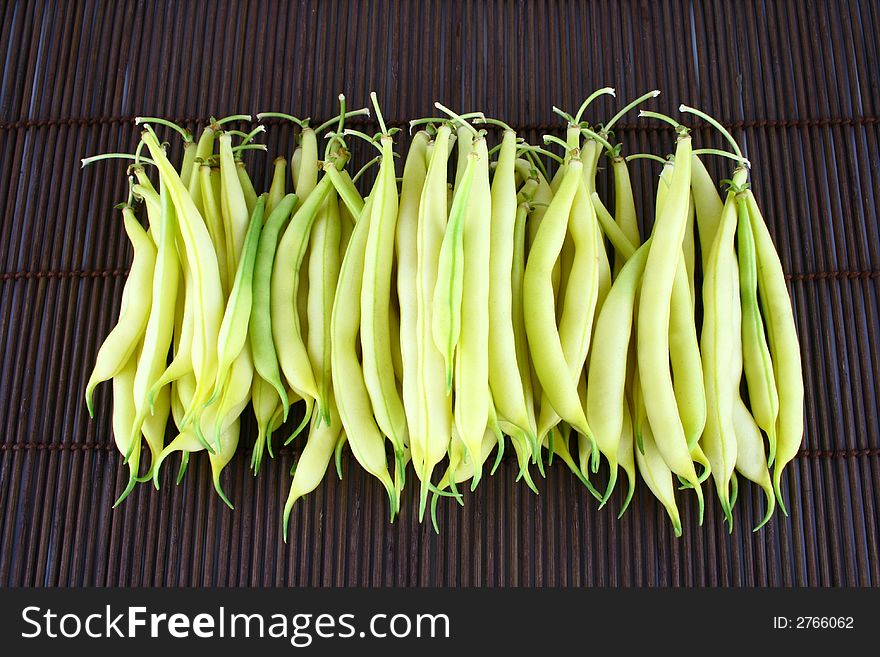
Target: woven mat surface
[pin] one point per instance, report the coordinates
(797, 82)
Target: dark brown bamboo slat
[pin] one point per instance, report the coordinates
(797, 83)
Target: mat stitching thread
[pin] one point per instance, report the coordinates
(76, 273)
(867, 274)
(109, 447)
(822, 122)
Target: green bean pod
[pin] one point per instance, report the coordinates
(235, 394)
(581, 299)
(378, 367)
(247, 187)
(261, 320)
(784, 347)
(352, 399)
(684, 355)
(707, 205)
(266, 404)
(542, 199)
(313, 462)
(346, 226)
(134, 311)
(323, 274)
(348, 193)
(751, 461)
(187, 164)
(160, 324)
(472, 397)
(654, 317)
(657, 475)
(202, 260)
(623, 246)
(277, 188)
(214, 223)
(544, 340)
(124, 414)
(220, 459)
(563, 271)
(519, 325)
(183, 326)
(287, 329)
(430, 437)
(186, 441)
(607, 374)
(719, 344)
(624, 203)
(234, 327)
(684, 348)
(505, 369)
(233, 204)
(465, 467)
(155, 424)
(688, 248)
(626, 456)
(757, 363)
(415, 172)
(449, 293)
(307, 169)
(295, 163)
(184, 331)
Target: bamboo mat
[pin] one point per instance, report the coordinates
(799, 84)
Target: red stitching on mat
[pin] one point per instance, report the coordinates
(835, 275)
(109, 447)
(76, 273)
(867, 274)
(822, 122)
(837, 453)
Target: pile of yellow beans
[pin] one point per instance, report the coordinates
(480, 300)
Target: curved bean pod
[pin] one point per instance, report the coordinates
(545, 345)
(784, 346)
(751, 461)
(123, 418)
(719, 344)
(233, 205)
(287, 330)
(449, 292)
(134, 311)
(214, 223)
(323, 274)
(658, 476)
(160, 324)
(313, 462)
(277, 188)
(472, 397)
(234, 327)
(430, 437)
(707, 205)
(505, 369)
(307, 169)
(607, 375)
(260, 327)
(352, 399)
(247, 187)
(202, 260)
(653, 320)
(375, 294)
(415, 172)
(757, 363)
